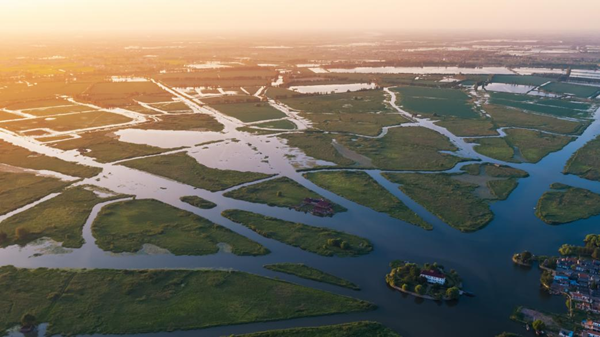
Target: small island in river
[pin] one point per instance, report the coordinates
(429, 281)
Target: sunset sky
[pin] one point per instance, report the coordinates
(32, 16)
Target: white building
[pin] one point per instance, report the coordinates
(433, 277)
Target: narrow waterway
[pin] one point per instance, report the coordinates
(482, 258)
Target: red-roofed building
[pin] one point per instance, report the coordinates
(433, 276)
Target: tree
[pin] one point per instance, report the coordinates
(526, 256)
(405, 287)
(3, 237)
(27, 321)
(21, 233)
(344, 245)
(452, 293)
(538, 325)
(420, 289)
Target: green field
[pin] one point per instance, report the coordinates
(318, 146)
(581, 91)
(68, 122)
(282, 124)
(127, 226)
(451, 200)
(355, 329)
(123, 94)
(567, 204)
(586, 161)
(190, 172)
(362, 189)
(496, 148)
(198, 202)
(85, 302)
(21, 157)
(318, 240)
(549, 106)
(67, 108)
(281, 192)
(516, 118)
(533, 146)
(189, 122)
(60, 218)
(368, 124)
(436, 102)
(406, 148)
(501, 189)
(250, 112)
(105, 147)
(470, 127)
(304, 271)
(496, 171)
(348, 102)
(20, 189)
(521, 79)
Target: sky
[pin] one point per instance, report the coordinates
(47, 16)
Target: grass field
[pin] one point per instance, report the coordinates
(196, 201)
(436, 102)
(362, 189)
(451, 200)
(22, 93)
(355, 329)
(406, 148)
(189, 122)
(282, 124)
(99, 301)
(105, 147)
(318, 240)
(18, 156)
(68, 122)
(581, 91)
(470, 127)
(348, 102)
(368, 124)
(304, 271)
(555, 107)
(20, 189)
(281, 192)
(535, 145)
(567, 205)
(67, 108)
(127, 226)
(496, 148)
(4, 116)
(318, 146)
(586, 161)
(520, 79)
(60, 218)
(501, 189)
(250, 112)
(123, 94)
(513, 117)
(190, 172)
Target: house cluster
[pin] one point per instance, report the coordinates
(578, 279)
(592, 328)
(320, 207)
(434, 277)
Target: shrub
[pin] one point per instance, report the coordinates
(21, 233)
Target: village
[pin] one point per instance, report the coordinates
(578, 280)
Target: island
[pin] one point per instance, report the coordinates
(427, 281)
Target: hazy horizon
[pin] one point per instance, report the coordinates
(19, 17)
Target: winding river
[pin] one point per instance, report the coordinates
(482, 258)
